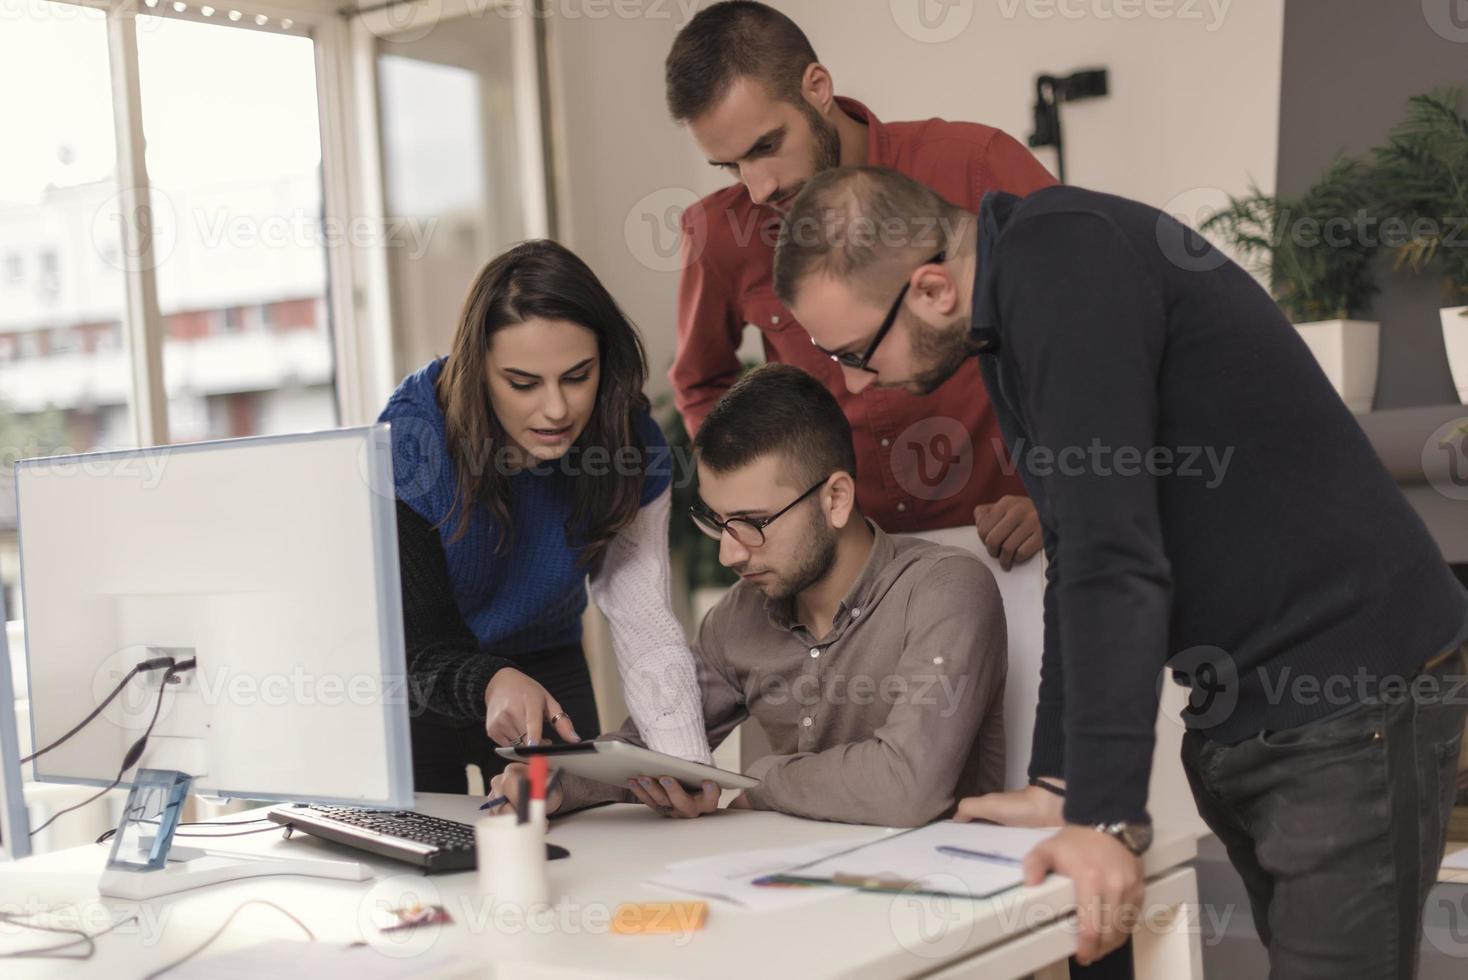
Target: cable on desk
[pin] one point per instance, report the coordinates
(54, 952)
(107, 835)
(220, 931)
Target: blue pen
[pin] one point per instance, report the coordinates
(960, 852)
(501, 800)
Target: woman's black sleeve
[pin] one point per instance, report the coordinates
(447, 672)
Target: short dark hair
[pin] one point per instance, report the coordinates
(732, 40)
(778, 408)
(866, 227)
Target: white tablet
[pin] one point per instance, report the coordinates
(616, 762)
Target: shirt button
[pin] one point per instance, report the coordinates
(938, 661)
(886, 442)
(774, 321)
(901, 508)
(805, 722)
(856, 613)
(814, 652)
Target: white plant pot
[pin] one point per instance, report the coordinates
(1347, 351)
(1455, 339)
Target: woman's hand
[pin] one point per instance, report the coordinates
(516, 708)
(507, 784)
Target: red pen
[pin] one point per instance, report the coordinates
(538, 769)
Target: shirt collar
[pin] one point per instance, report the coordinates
(994, 211)
(879, 137)
(781, 612)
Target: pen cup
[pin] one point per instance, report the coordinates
(512, 860)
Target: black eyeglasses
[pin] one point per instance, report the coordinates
(858, 362)
(748, 531)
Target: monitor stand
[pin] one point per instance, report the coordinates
(144, 863)
(190, 867)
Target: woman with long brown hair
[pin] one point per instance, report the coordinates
(527, 466)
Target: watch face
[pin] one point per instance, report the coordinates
(1137, 836)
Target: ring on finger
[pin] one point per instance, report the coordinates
(558, 716)
(519, 740)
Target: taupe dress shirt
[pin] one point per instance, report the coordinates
(888, 719)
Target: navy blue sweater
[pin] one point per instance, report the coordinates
(1208, 501)
(525, 600)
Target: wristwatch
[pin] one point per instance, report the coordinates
(1136, 837)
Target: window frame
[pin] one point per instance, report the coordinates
(358, 300)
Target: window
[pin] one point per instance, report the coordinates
(235, 152)
(56, 185)
(228, 329)
(64, 341)
(451, 167)
(48, 283)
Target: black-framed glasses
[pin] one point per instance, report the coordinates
(858, 362)
(748, 531)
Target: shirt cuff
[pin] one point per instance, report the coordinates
(1106, 780)
(761, 796)
(580, 793)
(1047, 746)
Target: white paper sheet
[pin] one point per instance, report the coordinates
(729, 878)
(913, 860)
(1458, 861)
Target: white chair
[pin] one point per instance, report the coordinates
(1022, 588)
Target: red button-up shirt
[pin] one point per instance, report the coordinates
(922, 462)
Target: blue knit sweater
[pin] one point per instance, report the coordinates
(531, 597)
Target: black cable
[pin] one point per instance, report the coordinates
(237, 833)
(137, 669)
(133, 754)
(49, 952)
(109, 834)
(220, 931)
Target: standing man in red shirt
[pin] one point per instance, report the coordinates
(747, 82)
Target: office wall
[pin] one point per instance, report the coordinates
(1349, 68)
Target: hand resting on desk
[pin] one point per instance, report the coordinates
(1108, 877)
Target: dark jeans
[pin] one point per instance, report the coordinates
(441, 751)
(1337, 828)
(1116, 966)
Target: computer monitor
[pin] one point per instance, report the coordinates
(15, 835)
(272, 561)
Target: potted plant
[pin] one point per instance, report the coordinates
(1312, 249)
(1422, 179)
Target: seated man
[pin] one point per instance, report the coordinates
(875, 664)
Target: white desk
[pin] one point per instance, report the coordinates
(612, 850)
